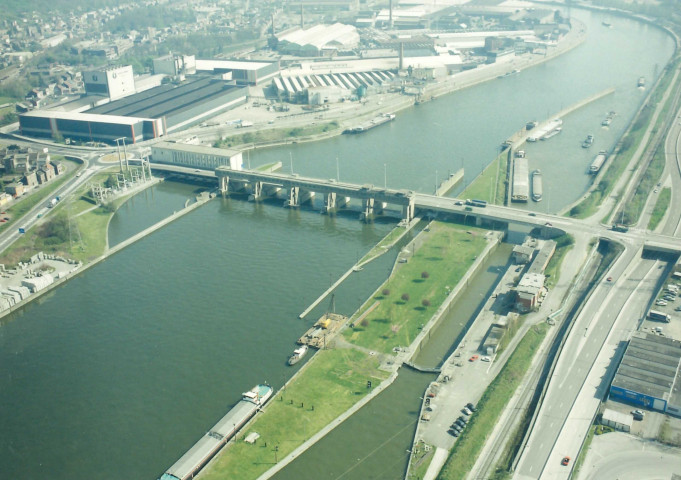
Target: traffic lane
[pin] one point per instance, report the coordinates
(31, 217)
(579, 418)
(576, 359)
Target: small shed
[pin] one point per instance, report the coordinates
(617, 420)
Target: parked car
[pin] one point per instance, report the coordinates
(485, 359)
(473, 358)
(466, 411)
(463, 419)
(453, 433)
(471, 407)
(461, 424)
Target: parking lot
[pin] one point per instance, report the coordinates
(671, 307)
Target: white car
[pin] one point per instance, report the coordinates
(485, 359)
(661, 303)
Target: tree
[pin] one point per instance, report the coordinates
(385, 292)
(425, 302)
(425, 275)
(405, 297)
(364, 322)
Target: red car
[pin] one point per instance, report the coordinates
(473, 358)
(565, 461)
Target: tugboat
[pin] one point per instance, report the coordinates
(588, 142)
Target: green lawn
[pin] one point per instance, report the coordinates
(563, 245)
(446, 255)
(469, 444)
(661, 205)
(332, 382)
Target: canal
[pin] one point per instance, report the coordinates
(115, 374)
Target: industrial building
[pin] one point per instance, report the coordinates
(142, 116)
(195, 156)
(649, 375)
(89, 127)
(330, 87)
(320, 40)
(112, 82)
(242, 72)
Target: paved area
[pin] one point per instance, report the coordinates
(619, 456)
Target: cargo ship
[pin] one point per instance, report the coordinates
(373, 123)
(537, 186)
(520, 187)
(547, 131)
(298, 353)
(598, 162)
(209, 444)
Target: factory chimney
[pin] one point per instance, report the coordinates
(390, 14)
(401, 67)
(273, 32)
(302, 26)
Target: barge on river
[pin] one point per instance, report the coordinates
(547, 131)
(537, 186)
(521, 187)
(206, 448)
(323, 330)
(374, 122)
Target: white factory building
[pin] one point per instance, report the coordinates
(195, 156)
(112, 82)
(319, 40)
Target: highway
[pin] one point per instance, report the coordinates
(634, 282)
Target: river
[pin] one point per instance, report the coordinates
(116, 373)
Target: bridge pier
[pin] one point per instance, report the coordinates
(368, 209)
(330, 203)
(408, 211)
(256, 193)
(293, 197)
(224, 184)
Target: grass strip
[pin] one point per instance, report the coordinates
(483, 187)
(276, 134)
(383, 245)
(469, 444)
(634, 207)
(330, 384)
(563, 245)
(409, 298)
(421, 460)
(661, 206)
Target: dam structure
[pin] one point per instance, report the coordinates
(261, 185)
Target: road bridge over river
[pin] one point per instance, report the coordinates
(261, 184)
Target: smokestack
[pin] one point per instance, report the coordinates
(390, 17)
(401, 56)
(301, 16)
(273, 32)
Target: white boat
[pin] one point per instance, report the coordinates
(298, 353)
(258, 394)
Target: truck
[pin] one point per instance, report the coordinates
(620, 227)
(659, 316)
(52, 203)
(476, 203)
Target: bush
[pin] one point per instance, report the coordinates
(364, 322)
(425, 302)
(385, 292)
(425, 274)
(405, 297)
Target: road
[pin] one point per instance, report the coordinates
(635, 280)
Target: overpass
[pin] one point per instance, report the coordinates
(299, 189)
